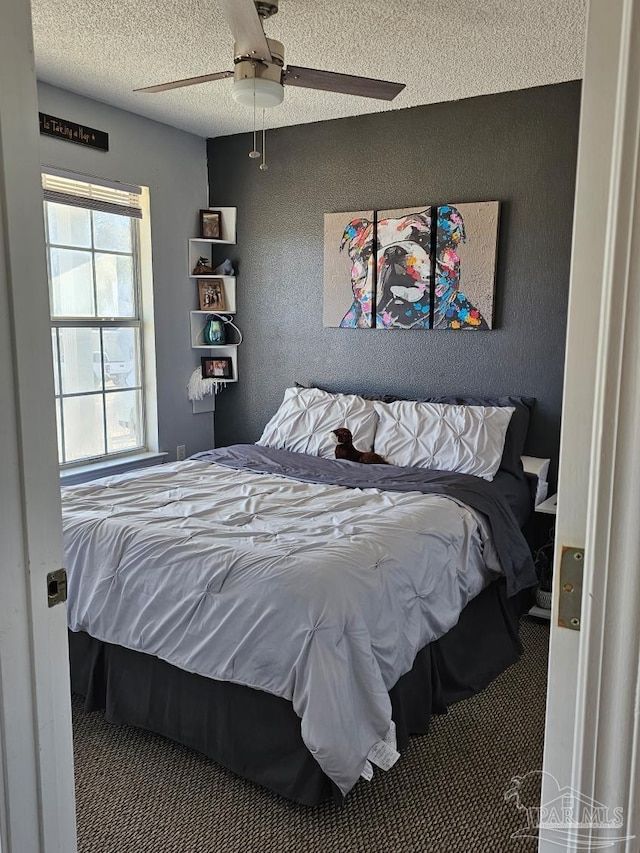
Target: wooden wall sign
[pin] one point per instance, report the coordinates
(72, 132)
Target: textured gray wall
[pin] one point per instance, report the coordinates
(173, 165)
(518, 147)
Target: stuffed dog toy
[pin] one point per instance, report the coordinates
(403, 266)
(346, 450)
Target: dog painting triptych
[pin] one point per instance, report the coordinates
(423, 267)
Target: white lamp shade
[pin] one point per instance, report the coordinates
(268, 93)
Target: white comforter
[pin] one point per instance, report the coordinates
(320, 594)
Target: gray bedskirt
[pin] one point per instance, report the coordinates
(257, 735)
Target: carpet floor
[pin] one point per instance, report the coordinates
(140, 793)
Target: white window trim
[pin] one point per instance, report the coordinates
(150, 381)
(84, 470)
(76, 474)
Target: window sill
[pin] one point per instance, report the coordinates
(107, 467)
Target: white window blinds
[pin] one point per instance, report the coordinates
(95, 194)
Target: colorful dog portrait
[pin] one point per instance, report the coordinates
(348, 260)
(403, 267)
(388, 270)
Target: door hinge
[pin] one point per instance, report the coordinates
(56, 587)
(570, 598)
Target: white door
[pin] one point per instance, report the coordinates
(36, 759)
(591, 733)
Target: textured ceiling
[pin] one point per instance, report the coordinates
(442, 50)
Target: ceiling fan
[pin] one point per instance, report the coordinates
(259, 75)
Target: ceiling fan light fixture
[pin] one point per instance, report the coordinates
(257, 82)
(264, 93)
(259, 75)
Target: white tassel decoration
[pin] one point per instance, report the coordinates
(199, 387)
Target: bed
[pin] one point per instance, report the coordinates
(292, 616)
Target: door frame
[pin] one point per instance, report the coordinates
(591, 732)
(37, 810)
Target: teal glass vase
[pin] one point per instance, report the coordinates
(214, 331)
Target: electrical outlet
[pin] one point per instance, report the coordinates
(181, 452)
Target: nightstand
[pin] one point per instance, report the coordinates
(547, 507)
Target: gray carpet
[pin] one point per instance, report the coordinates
(140, 793)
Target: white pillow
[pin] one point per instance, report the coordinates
(465, 439)
(306, 417)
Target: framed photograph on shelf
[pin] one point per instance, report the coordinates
(211, 224)
(217, 367)
(211, 294)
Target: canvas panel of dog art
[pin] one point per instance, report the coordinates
(466, 250)
(348, 270)
(403, 268)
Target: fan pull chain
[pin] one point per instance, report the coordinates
(263, 165)
(254, 153)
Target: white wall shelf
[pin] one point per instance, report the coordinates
(208, 248)
(201, 249)
(213, 346)
(205, 247)
(211, 276)
(228, 351)
(198, 320)
(229, 287)
(229, 217)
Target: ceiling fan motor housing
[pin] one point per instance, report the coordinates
(266, 8)
(257, 81)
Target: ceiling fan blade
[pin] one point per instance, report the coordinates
(246, 28)
(188, 81)
(346, 84)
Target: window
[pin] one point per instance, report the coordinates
(93, 255)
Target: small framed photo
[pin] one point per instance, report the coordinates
(211, 224)
(218, 367)
(211, 294)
